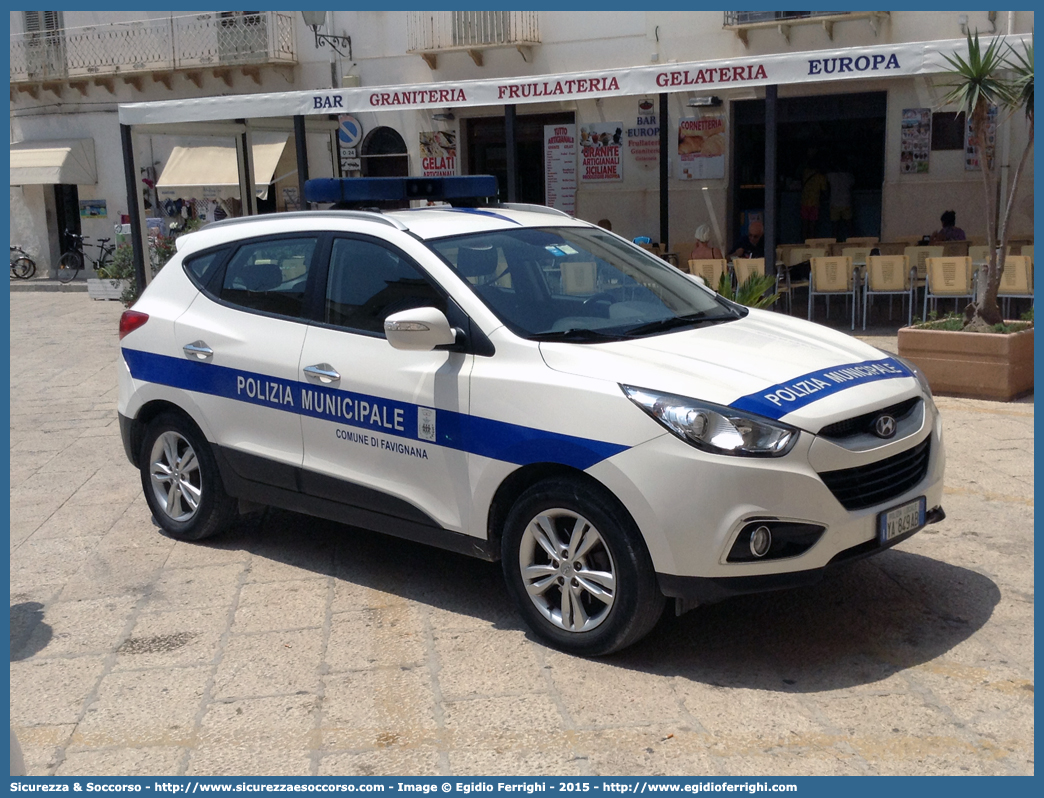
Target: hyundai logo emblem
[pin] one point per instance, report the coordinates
(884, 426)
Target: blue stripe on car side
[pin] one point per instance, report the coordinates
(498, 440)
(786, 397)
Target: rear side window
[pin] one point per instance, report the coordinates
(368, 282)
(201, 268)
(269, 276)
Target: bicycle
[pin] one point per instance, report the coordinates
(72, 261)
(22, 266)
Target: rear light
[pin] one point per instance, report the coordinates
(131, 320)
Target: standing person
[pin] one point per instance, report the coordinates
(949, 231)
(752, 245)
(841, 183)
(703, 250)
(813, 184)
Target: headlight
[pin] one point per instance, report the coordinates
(917, 373)
(714, 428)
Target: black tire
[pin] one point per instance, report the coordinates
(69, 266)
(564, 609)
(23, 268)
(181, 481)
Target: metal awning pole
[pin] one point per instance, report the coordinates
(301, 146)
(770, 178)
(245, 158)
(130, 175)
(512, 155)
(664, 163)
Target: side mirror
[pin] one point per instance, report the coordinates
(420, 329)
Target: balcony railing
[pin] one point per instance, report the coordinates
(742, 22)
(430, 33)
(156, 45)
(749, 17)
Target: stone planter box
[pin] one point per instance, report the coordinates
(106, 289)
(975, 365)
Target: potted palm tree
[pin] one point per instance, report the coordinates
(981, 355)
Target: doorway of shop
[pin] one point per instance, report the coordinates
(828, 135)
(487, 151)
(66, 214)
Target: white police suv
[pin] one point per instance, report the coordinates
(515, 384)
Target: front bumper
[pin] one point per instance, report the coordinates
(696, 590)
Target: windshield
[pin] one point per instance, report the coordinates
(579, 284)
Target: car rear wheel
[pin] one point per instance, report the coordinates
(578, 569)
(181, 482)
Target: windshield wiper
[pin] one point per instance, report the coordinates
(578, 335)
(675, 322)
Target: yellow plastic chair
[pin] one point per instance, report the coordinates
(743, 268)
(579, 277)
(710, 269)
(820, 242)
(918, 262)
(1016, 280)
(980, 255)
(948, 278)
(857, 254)
(794, 256)
(861, 241)
(888, 274)
(833, 276)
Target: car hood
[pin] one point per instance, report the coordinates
(766, 363)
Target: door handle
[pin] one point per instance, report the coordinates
(324, 371)
(198, 350)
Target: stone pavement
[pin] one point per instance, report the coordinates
(298, 647)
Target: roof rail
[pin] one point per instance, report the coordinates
(523, 206)
(369, 216)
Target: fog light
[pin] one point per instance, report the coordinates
(760, 541)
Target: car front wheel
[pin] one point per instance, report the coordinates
(578, 569)
(181, 481)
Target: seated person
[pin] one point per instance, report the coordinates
(703, 250)
(752, 245)
(949, 231)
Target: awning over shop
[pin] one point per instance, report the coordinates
(900, 59)
(211, 171)
(69, 161)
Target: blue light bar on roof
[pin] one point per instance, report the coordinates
(376, 189)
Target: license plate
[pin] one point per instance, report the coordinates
(900, 520)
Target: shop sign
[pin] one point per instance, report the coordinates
(643, 140)
(560, 167)
(438, 150)
(600, 152)
(701, 147)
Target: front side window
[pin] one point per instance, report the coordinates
(368, 282)
(269, 276)
(578, 283)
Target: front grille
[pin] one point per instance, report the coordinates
(865, 423)
(865, 486)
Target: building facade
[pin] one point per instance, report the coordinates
(849, 103)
